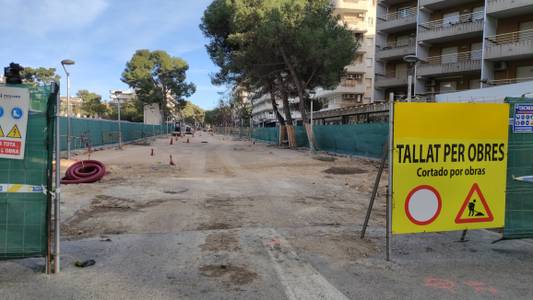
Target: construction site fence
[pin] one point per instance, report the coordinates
(240, 132)
(519, 194)
(95, 132)
(365, 139)
(24, 214)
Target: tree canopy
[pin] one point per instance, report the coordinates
(160, 78)
(192, 114)
(92, 103)
(281, 47)
(39, 75)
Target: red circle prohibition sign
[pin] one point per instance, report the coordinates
(410, 195)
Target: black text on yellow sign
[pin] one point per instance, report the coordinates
(449, 166)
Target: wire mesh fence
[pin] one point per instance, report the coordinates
(94, 132)
(354, 139)
(24, 201)
(519, 194)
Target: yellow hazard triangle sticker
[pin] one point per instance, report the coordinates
(14, 133)
(1, 132)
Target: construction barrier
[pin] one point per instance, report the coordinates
(96, 132)
(356, 139)
(519, 210)
(24, 201)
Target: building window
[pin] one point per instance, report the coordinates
(447, 86)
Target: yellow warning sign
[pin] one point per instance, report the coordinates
(449, 166)
(1, 132)
(14, 133)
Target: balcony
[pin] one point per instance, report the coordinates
(351, 88)
(358, 5)
(397, 21)
(359, 26)
(509, 8)
(450, 64)
(395, 50)
(509, 81)
(390, 80)
(440, 4)
(512, 45)
(449, 29)
(357, 68)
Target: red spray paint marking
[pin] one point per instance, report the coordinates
(439, 283)
(481, 287)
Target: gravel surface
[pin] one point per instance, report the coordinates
(235, 220)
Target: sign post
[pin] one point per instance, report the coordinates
(449, 165)
(14, 106)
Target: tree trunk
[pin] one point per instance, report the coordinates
(291, 134)
(282, 123)
(301, 96)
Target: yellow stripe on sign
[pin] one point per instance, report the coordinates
(14, 188)
(450, 121)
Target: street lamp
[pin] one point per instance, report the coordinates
(312, 95)
(117, 95)
(68, 62)
(411, 60)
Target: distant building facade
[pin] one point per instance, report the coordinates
(462, 45)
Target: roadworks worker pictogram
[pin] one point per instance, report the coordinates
(475, 208)
(14, 133)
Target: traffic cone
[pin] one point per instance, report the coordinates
(171, 141)
(171, 161)
(152, 153)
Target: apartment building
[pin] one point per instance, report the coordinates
(460, 44)
(263, 113)
(357, 85)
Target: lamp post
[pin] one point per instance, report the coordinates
(411, 60)
(68, 62)
(117, 95)
(312, 95)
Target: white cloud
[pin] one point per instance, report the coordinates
(40, 17)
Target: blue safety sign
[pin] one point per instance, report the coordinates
(523, 118)
(16, 113)
(1, 111)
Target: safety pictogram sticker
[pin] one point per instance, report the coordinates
(475, 208)
(423, 205)
(14, 133)
(1, 132)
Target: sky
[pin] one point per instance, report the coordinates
(102, 35)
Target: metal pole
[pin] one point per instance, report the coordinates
(376, 186)
(409, 87)
(312, 146)
(390, 189)
(69, 137)
(119, 126)
(57, 198)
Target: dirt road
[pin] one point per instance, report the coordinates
(236, 220)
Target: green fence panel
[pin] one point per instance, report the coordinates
(96, 132)
(23, 216)
(357, 139)
(266, 134)
(301, 136)
(519, 195)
